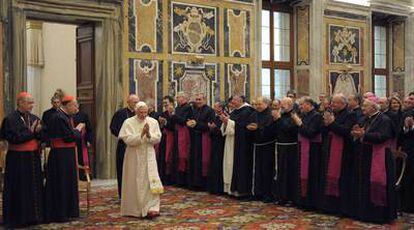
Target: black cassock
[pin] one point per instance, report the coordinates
(285, 185)
(62, 197)
(310, 160)
(396, 118)
(23, 183)
(337, 181)
(215, 174)
(116, 123)
(165, 150)
(46, 117)
(263, 156)
(200, 150)
(407, 144)
(82, 143)
(182, 144)
(358, 114)
(375, 172)
(241, 181)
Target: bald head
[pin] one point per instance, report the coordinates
(369, 107)
(286, 104)
(383, 103)
(25, 102)
(132, 100)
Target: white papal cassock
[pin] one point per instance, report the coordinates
(141, 184)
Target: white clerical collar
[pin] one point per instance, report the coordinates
(373, 115)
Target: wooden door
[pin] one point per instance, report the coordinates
(85, 79)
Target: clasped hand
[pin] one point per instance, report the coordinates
(145, 131)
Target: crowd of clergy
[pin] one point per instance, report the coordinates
(339, 156)
(336, 156)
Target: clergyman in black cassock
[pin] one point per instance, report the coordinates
(310, 157)
(166, 146)
(62, 197)
(47, 115)
(182, 142)
(285, 185)
(215, 173)
(407, 139)
(337, 182)
(263, 151)
(116, 123)
(200, 150)
(241, 166)
(84, 158)
(374, 181)
(23, 183)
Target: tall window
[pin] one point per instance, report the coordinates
(277, 56)
(380, 70)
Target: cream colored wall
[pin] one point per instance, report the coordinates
(59, 71)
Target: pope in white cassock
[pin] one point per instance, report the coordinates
(141, 187)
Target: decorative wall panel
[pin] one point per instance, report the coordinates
(194, 79)
(346, 53)
(344, 82)
(242, 1)
(187, 45)
(145, 25)
(236, 30)
(193, 29)
(302, 41)
(398, 46)
(237, 77)
(398, 84)
(146, 80)
(344, 45)
(302, 77)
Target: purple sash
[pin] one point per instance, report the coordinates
(206, 152)
(84, 149)
(169, 146)
(334, 165)
(378, 178)
(183, 147)
(304, 161)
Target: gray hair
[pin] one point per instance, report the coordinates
(341, 96)
(141, 105)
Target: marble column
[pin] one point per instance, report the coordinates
(35, 61)
(317, 79)
(409, 55)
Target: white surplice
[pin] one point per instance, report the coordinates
(228, 131)
(141, 184)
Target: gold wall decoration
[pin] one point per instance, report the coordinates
(236, 31)
(345, 54)
(302, 77)
(144, 32)
(189, 39)
(303, 30)
(147, 79)
(398, 46)
(193, 29)
(237, 78)
(398, 84)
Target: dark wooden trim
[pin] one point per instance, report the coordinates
(381, 71)
(272, 64)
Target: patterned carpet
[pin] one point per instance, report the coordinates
(184, 209)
